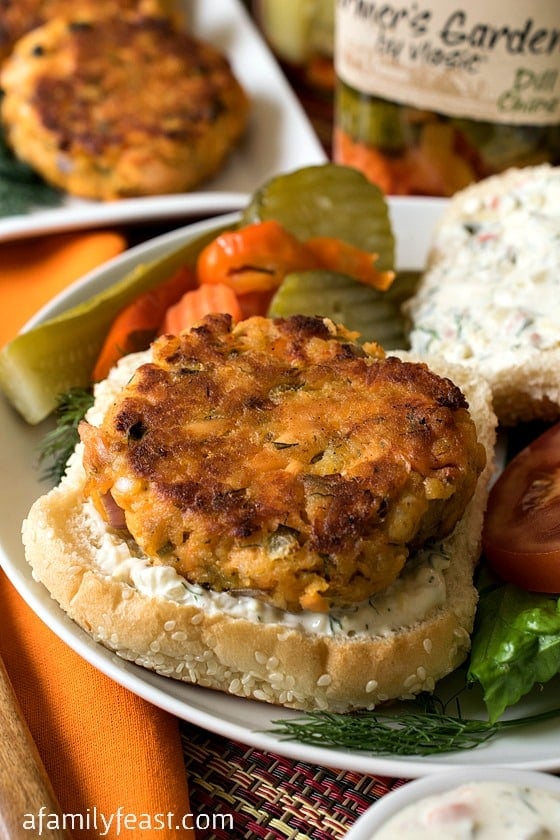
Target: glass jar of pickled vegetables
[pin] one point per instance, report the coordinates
(301, 35)
(432, 95)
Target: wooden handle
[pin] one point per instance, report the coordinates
(25, 788)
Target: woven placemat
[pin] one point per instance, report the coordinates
(254, 794)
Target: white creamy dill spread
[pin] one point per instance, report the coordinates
(492, 294)
(418, 592)
(485, 810)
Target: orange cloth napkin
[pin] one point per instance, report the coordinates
(105, 750)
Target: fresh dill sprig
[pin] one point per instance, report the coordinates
(409, 734)
(18, 198)
(58, 444)
(21, 188)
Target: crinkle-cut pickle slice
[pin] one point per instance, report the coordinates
(328, 200)
(343, 300)
(59, 354)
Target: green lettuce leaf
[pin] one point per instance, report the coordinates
(515, 645)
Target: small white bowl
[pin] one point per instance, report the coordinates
(388, 806)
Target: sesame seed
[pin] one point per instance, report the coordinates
(324, 679)
(259, 694)
(371, 685)
(427, 645)
(169, 626)
(261, 658)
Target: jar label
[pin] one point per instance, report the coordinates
(496, 61)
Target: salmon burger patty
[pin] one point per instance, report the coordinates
(108, 107)
(283, 459)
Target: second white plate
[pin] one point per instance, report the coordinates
(279, 138)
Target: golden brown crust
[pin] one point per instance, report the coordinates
(283, 458)
(17, 17)
(107, 107)
(248, 658)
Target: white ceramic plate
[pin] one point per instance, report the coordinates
(537, 747)
(392, 804)
(280, 137)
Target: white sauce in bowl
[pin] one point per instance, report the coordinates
(486, 810)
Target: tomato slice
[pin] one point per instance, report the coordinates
(521, 534)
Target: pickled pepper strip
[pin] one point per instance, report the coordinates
(337, 255)
(257, 257)
(254, 258)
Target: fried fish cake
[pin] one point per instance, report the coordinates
(281, 457)
(17, 17)
(109, 107)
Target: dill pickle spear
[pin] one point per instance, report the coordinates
(327, 200)
(345, 301)
(59, 354)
